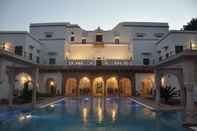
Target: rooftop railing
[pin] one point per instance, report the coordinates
(99, 62)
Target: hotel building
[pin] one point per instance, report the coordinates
(132, 59)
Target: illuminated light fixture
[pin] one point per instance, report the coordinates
(113, 78)
(28, 116)
(52, 83)
(162, 81)
(25, 116)
(52, 105)
(194, 46)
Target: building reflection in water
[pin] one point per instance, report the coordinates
(97, 108)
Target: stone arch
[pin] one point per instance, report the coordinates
(147, 89)
(51, 86)
(22, 80)
(84, 86)
(125, 87)
(71, 87)
(111, 86)
(177, 73)
(98, 87)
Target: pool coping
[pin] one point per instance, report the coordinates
(53, 102)
(56, 101)
(147, 106)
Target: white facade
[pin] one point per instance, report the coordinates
(129, 43)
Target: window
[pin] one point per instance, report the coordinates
(38, 51)
(146, 61)
(140, 34)
(72, 38)
(19, 50)
(178, 49)
(48, 34)
(158, 35)
(117, 41)
(160, 58)
(167, 55)
(37, 59)
(83, 41)
(99, 38)
(30, 56)
(52, 60)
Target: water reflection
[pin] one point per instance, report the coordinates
(100, 109)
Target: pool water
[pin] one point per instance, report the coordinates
(95, 114)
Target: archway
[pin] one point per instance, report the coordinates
(71, 87)
(98, 87)
(84, 86)
(147, 90)
(23, 80)
(51, 86)
(112, 87)
(125, 87)
(171, 82)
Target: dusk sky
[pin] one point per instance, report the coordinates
(89, 14)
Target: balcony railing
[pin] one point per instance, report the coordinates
(101, 62)
(80, 62)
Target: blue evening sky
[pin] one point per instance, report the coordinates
(89, 14)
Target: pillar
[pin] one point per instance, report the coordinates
(157, 85)
(182, 89)
(189, 97)
(189, 80)
(11, 79)
(133, 89)
(35, 83)
(189, 107)
(78, 79)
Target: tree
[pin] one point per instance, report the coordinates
(168, 93)
(191, 26)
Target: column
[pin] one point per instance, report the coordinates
(157, 85)
(63, 84)
(133, 88)
(182, 89)
(189, 108)
(11, 80)
(189, 97)
(105, 87)
(78, 79)
(35, 84)
(189, 78)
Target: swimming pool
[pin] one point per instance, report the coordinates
(95, 114)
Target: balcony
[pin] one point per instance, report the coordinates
(101, 62)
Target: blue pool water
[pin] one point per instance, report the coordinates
(95, 114)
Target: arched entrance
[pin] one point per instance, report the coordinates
(84, 86)
(170, 82)
(147, 90)
(98, 86)
(71, 87)
(23, 80)
(51, 86)
(125, 87)
(112, 87)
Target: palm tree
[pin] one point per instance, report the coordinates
(191, 26)
(168, 93)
